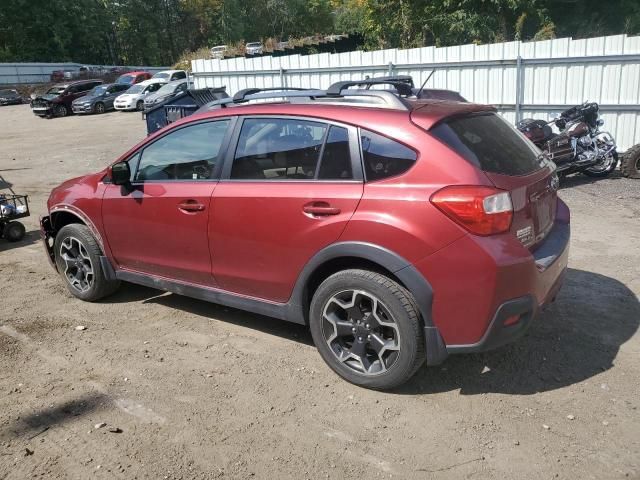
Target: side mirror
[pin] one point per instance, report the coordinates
(121, 173)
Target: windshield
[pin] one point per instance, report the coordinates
(161, 76)
(126, 79)
(97, 91)
(136, 89)
(254, 44)
(168, 88)
(7, 93)
(55, 90)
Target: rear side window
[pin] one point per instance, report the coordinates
(336, 157)
(278, 149)
(490, 143)
(383, 157)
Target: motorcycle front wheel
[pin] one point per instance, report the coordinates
(603, 168)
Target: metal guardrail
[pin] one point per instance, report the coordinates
(34, 73)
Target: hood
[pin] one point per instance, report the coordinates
(85, 99)
(47, 96)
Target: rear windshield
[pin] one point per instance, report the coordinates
(490, 143)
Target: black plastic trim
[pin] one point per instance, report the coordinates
(107, 269)
(254, 305)
(497, 334)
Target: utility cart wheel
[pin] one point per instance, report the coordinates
(13, 231)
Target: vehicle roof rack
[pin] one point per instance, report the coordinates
(408, 79)
(241, 95)
(401, 85)
(361, 97)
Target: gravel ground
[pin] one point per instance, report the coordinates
(190, 390)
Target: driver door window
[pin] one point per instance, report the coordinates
(189, 153)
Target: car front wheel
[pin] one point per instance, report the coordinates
(367, 328)
(77, 256)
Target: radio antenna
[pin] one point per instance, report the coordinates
(425, 82)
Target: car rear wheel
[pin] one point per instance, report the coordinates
(13, 231)
(99, 108)
(61, 111)
(367, 328)
(140, 105)
(77, 256)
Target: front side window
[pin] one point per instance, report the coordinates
(383, 157)
(189, 153)
(278, 149)
(179, 75)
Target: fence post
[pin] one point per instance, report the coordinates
(390, 69)
(283, 78)
(519, 76)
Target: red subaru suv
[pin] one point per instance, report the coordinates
(400, 230)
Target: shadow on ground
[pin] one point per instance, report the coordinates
(571, 341)
(574, 339)
(578, 179)
(36, 422)
(30, 238)
(135, 293)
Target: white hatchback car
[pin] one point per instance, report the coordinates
(133, 98)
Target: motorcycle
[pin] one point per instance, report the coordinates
(580, 145)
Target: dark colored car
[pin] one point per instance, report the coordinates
(165, 92)
(58, 99)
(10, 97)
(131, 78)
(399, 230)
(100, 99)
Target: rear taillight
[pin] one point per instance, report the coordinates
(481, 210)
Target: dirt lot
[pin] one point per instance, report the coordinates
(194, 390)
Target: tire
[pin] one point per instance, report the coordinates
(61, 111)
(403, 350)
(99, 108)
(630, 165)
(13, 231)
(78, 245)
(140, 105)
(605, 172)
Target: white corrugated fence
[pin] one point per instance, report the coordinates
(523, 79)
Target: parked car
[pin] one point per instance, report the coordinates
(397, 229)
(165, 92)
(131, 78)
(58, 99)
(10, 97)
(218, 52)
(133, 98)
(100, 99)
(253, 48)
(170, 75)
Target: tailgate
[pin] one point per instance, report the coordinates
(511, 163)
(534, 199)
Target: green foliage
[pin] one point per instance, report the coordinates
(156, 32)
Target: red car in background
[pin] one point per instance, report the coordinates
(131, 78)
(400, 230)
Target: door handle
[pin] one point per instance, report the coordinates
(191, 206)
(320, 209)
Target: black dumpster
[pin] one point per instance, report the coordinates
(182, 105)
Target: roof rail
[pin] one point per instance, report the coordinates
(241, 95)
(401, 86)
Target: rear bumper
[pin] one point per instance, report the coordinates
(489, 303)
